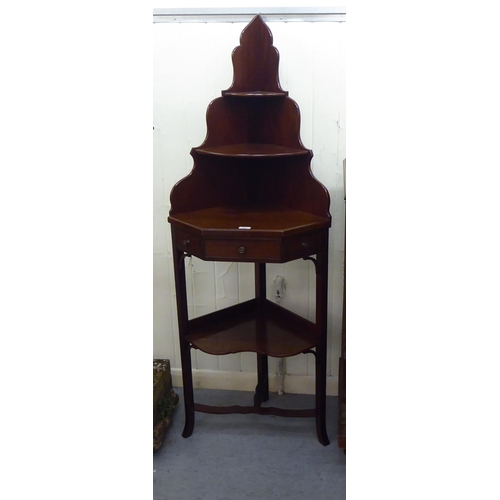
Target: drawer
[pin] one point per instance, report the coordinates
(302, 246)
(244, 250)
(184, 240)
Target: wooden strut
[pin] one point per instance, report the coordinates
(262, 389)
(181, 258)
(313, 261)
(309, 351)
(259, 410)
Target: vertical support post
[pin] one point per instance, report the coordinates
(341, 435)
(262, 389)
(321, 352)
(182, 317)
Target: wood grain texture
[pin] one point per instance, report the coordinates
(255, 61)
(263, 222)
(250, 150)
(313, 75)
(247, 327)
(251, 196)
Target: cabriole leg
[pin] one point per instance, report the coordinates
(321, 356)
(182, 316)
(187, 382)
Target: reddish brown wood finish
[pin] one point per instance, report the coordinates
(252, 327)
(250, 150)
(262, 389)
(251, 197)
(255, 62)
(341, 435)
(245, 410)
(261, 182)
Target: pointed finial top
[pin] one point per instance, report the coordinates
(255, 61)
(256, 26)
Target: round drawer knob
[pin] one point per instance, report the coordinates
(242, 249)
(186, 243)
(305, 246)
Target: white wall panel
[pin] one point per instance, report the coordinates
(246, 281)
(227, 292)
(192, 64)
(163, 339)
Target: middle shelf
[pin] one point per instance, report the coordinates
(252, 326)
(250, 150)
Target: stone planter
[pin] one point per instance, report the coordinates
(164, 400)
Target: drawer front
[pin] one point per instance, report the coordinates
(244, 250)
(302, 246)
(184, 240)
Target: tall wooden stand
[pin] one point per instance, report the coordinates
(341, 435)
(251, 197)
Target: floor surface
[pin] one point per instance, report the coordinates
(240, 457)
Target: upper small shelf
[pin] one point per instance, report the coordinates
(251, 150)
(252, 159)
(255, 93)
(255, 63)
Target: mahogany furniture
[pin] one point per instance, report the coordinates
(341, 437)
(251, 197)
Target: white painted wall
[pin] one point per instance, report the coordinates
(192, 64)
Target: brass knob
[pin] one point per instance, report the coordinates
(242, 249)
(186, 243)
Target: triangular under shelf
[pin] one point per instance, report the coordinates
(247, 327)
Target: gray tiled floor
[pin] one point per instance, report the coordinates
(239, 457)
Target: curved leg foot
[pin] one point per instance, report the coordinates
(321, 397)
(187, 380)
(321, 431)
(188, 426)
(321, 325)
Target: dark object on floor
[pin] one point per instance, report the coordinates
(164, 400)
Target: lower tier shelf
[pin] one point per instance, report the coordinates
(253, 326)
